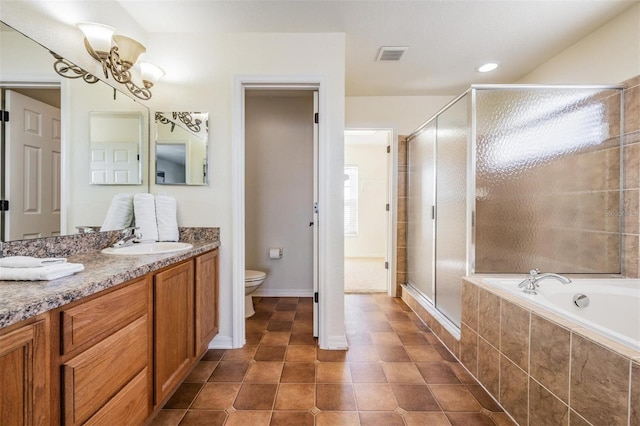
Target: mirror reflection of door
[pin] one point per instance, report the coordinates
(32, 168)
(171, 163)
(115, 140)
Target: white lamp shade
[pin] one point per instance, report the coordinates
(128, 48)
(99, 36)
(150, 72)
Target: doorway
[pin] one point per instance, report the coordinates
(242, 87)
(279, 191)
(367, 216)
(30, 182)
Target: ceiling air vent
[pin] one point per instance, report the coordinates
(391, 53)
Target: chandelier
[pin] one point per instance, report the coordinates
(117, 54)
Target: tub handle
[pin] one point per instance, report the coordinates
(581, 300)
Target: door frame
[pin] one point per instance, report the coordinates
(392, 199)
(16, 81)
(240, 84)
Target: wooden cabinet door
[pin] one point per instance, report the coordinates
(98, 374)
(24, 397)
(173, 328)
(206, 300)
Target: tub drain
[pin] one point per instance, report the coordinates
(581, 300)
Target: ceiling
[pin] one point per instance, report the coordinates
(448, 39)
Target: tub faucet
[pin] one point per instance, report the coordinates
(130, 235)
(529, 284)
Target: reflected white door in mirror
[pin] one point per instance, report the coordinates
(115, 140)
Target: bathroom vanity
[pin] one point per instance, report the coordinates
(110, 343)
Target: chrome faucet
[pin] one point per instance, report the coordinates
(130, 235)
(529, 284)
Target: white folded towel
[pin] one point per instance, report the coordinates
(120, 213)
(166, 214)
(44, 273)
(29, 261)
(144, 207)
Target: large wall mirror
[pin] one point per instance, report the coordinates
(57, 182)
(181, 148)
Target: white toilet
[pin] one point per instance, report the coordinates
(252, 280)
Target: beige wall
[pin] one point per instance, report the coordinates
(279, 192)
(371, 160)
(609, 55)
(403, 114)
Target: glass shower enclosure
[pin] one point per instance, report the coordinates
(509, 178)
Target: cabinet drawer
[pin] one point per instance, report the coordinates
(92, 378)
(130, 406)
(96, 319)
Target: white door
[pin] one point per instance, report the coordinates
(315, 213)
(32, 168)
(114, 163)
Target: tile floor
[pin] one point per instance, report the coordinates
(395, 373)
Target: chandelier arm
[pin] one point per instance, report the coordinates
(139, 92)
(68, 69)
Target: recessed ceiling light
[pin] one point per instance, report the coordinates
(490, 66)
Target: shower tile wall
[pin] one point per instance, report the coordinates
(548, 181)
(631, 182)
(601, 164)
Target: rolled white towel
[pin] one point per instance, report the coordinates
(166, 214)
(144, 207)
(120, 213)
(44, 273)
(29, 261)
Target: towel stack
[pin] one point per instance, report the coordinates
(120, 213)
(27, 268)
(167, 216)
(156, 217)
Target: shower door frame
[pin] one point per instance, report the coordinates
(431, 303)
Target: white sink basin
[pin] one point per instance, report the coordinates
(148, 248)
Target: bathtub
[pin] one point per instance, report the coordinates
(613, 310)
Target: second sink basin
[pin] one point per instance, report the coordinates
(148, 248)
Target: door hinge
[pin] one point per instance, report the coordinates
(315, 118)
(4, 205)
(386, 265)
(315, 297)
(4, 116)
(433, 212)
(387, 207)
(388, 149)
(315, 207)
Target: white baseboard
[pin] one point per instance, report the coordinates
(287, 292)
(221, 342)
(337, 342)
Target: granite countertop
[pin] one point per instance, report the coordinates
(20, 300)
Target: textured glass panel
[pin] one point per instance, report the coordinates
(451, 207)
(420, 199)
(548, 180)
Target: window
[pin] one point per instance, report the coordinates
(351, 201)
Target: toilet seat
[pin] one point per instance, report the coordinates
(253, 276)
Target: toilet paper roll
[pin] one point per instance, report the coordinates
(275, 253)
